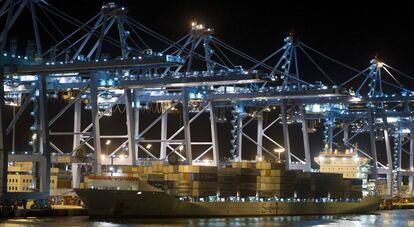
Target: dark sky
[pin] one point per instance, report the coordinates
(353, 32)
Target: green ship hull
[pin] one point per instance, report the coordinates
(126, 203)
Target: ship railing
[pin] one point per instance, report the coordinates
(269, 199)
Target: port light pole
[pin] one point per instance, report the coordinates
(107, 143)
(278, 151)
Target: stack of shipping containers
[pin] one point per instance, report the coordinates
(245, 179)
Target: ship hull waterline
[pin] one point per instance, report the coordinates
(124, 203)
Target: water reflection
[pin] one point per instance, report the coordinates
(381, 218)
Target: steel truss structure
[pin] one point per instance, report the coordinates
(196, 75)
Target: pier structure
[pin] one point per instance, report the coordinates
(113, 62)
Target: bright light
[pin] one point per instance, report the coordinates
(279, 150)
(108, 142)
(148, 146)
(355, 99)
(314, 108)
(103, 156)
(392, 119)
(111, 168)
(380, 64)
(196, 26)
(181, 148)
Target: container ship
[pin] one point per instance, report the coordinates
(158, 189)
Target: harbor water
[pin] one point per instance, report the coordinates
(379, 218)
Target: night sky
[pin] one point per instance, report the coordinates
(351, 32)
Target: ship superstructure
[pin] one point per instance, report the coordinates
(347, 163)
